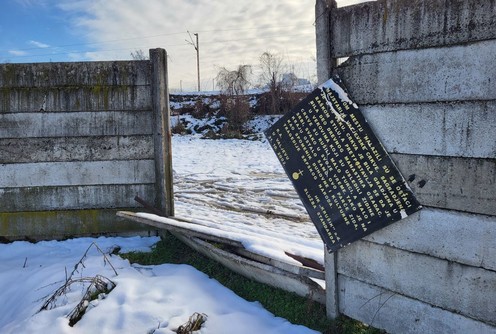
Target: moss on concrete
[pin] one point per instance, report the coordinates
(40, 225)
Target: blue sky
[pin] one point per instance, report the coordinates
(34, 32)
(231, 33)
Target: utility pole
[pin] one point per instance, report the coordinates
(197, 48)
(198, 59)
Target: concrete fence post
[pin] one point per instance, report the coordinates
(164, 196)
(323, 28)
(331, 278)
(325, 65)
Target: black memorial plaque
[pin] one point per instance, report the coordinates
(341, 172)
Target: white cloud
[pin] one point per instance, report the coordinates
(17, 52)
(231, 32)
(38, 44)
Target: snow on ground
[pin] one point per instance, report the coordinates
(262, 122)
(239, 188)
(195, 125)
(146, 299)
(234, 186)
(199, 125)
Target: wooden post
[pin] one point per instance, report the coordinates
(325, 66)
(164, 195)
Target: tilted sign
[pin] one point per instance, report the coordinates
(343, 175)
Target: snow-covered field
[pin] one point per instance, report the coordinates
(234, 186)
(240, 188)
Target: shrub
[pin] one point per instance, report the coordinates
(236, 109)
(179, 128)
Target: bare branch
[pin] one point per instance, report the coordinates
(139, 55)
(234, 82)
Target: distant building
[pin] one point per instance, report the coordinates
(292, 82)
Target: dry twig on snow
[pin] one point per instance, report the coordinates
(193, 324)
(98, 287)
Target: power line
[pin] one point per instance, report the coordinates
(102, 42)
(130, 48)
(144, 47)
(149, 36)
(255, 38)
(87, 51)
(238, 29)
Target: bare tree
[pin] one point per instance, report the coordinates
(234, 82)
(271, 66)
(281, 96)
(234, 104)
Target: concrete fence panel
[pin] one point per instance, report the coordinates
(424, 75)
(456, 129)
(77, 143)
(456, 73)
(391, 25)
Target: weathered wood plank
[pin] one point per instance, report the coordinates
(461, 184)
(50, 174)
(185, 228)
(61, 149)
(191, 229)
(390, 25)
(395, 313)
(449, 285)
(458, 73)
(463, 129)
(74, 98)
(441, 233)
(116, 73)
(267, 274)
(75, 124)
(72, 198)
(295, 269)
(49, 225)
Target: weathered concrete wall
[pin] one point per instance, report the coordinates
(391, 25)
(77, 142)
(424, 75)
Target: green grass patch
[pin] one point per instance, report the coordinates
(296, 309)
